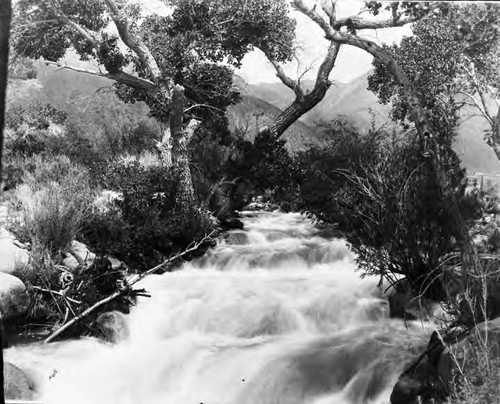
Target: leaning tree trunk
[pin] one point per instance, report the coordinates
(296, 110)
(181, 137)
(304, 101)
(469, 257)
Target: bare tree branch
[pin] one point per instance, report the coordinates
(328, 64)
(88, 35)
(360, 23)
(132, 41)
(286, 80)
(305, 102)
(202, 106)
(120, 77)
(329, 7)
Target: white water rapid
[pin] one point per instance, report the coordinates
(276, 314)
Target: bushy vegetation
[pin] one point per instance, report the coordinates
(380, 191)
(141, 226)
(57, 171)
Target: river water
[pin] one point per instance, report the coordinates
(275, 314)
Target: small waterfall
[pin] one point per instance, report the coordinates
(275, 314)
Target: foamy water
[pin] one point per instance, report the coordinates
(275, 315)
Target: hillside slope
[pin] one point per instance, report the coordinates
(261, 103)
(359, 105)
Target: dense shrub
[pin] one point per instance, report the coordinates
(266, 167)
(142, 227)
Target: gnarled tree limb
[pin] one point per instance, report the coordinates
(305, 102)
(132, 41)
(120, 76)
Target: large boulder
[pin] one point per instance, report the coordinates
(433, 375)
(14, 299)
(18, 386)
(427, 378)
(12, 256)
(231, 223)
(112, 327)
(237, 238)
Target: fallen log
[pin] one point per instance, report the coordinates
(127, 288)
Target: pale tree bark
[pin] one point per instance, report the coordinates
(180, 142)
(5, 17)
(470, 261)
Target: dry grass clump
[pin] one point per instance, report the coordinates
(51, 203)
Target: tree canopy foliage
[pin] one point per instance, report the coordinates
(453, 60)
(185, 47)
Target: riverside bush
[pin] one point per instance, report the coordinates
(143, 227)
(381, 193)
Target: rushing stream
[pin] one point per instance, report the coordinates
(276, 314)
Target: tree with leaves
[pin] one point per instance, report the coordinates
(345, 31)
(172, 63)
(454, 61)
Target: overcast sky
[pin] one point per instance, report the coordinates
(351, 62)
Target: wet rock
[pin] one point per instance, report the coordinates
(425, 379)
(18, 386)
(237, 238)
(231, 223)
(255, 206)
(14, 299)
(112, 327)
(274, 207)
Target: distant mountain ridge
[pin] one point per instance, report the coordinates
(261, 103)
(359, 105)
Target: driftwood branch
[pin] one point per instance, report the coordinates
(128, 287)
